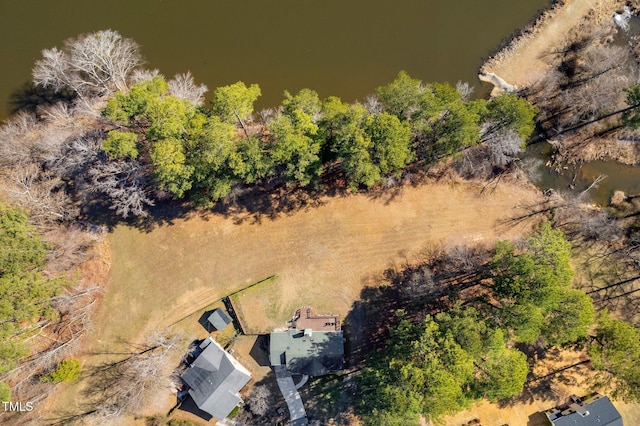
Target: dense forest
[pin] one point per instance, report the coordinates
(111, 139)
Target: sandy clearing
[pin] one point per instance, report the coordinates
(159, 277)
(527, 58)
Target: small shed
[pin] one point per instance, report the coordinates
(219, 319)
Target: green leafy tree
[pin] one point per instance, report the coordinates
(25, 292)
(402, 96)
(334, 115)
(212, 151)
(423, 371)
(501, 372)
(353, 146)
(306, 100)
(295, 143)
(530, 275)
(170, 168)
(391, 142)
(534, 290)
(5, 392)
(511, 112)
(253, 161)
(571, 319)
(467, 328)
(295, 151)
(616, 350)
(22, 248)
(234, 103)
(445, 123)
(122, 107)
(120, 144)
(66, 371)
(168, 116)
(11, 351)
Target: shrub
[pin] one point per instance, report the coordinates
(68, 370)
(5, 392)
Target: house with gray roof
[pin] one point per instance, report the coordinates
(214, 379)
(591, 410)
(316, 350)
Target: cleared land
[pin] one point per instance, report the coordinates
(322, 257)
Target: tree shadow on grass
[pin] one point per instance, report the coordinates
(537, 419)
(189, 405)
(250, 205)
(96, 211)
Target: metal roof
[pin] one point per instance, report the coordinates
(215, 378)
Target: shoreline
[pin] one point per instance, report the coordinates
(521, 61)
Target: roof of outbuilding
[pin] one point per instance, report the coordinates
(219, 319)
(215, 378)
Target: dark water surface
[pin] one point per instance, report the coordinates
(575, 179)
(337, 47)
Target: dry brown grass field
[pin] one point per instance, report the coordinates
(323, 256)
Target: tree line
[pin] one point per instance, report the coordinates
(137, 138)
(205, 153)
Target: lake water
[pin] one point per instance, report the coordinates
(337, 47)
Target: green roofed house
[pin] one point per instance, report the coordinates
(591, 410)
(214, 379)
(313, 345)
(219, 319)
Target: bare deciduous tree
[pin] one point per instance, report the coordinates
(91, 65)
(260, 400)
(183, 86)
(504, 148)
(40, 194)
(125, 182)
(125, 386)
(373, 104)
(140, 75)
(465, 89)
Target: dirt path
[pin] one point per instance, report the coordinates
(327, 252)
(526, 59)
